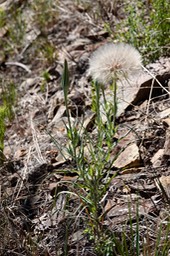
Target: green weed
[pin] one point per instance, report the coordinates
(147, 28)
(12, 20)
(3, 18)
(45, 79)
(46, 13)
(8, 97)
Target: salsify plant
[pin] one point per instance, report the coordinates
(107, 65)
(113, 62)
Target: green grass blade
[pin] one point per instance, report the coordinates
(65, 79)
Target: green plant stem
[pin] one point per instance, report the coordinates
(114, 101)
(97, 91)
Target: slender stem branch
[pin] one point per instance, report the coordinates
(115, 101)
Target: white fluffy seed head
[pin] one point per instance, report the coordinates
(112, 61)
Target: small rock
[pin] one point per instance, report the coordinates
(129, 157)
(157, 158)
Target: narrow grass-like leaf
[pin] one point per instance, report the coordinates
(65, 80)
(137, 230)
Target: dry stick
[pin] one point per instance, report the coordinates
(23, 174)
(40, 158)
(15, 63)
(150, 95)
(154, 77)
(129, 103)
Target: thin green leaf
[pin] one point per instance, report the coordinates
(65, 79)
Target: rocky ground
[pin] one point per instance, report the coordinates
(33, 215)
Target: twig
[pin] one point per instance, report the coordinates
(19, 65)
(35, 140)
(154, 77)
